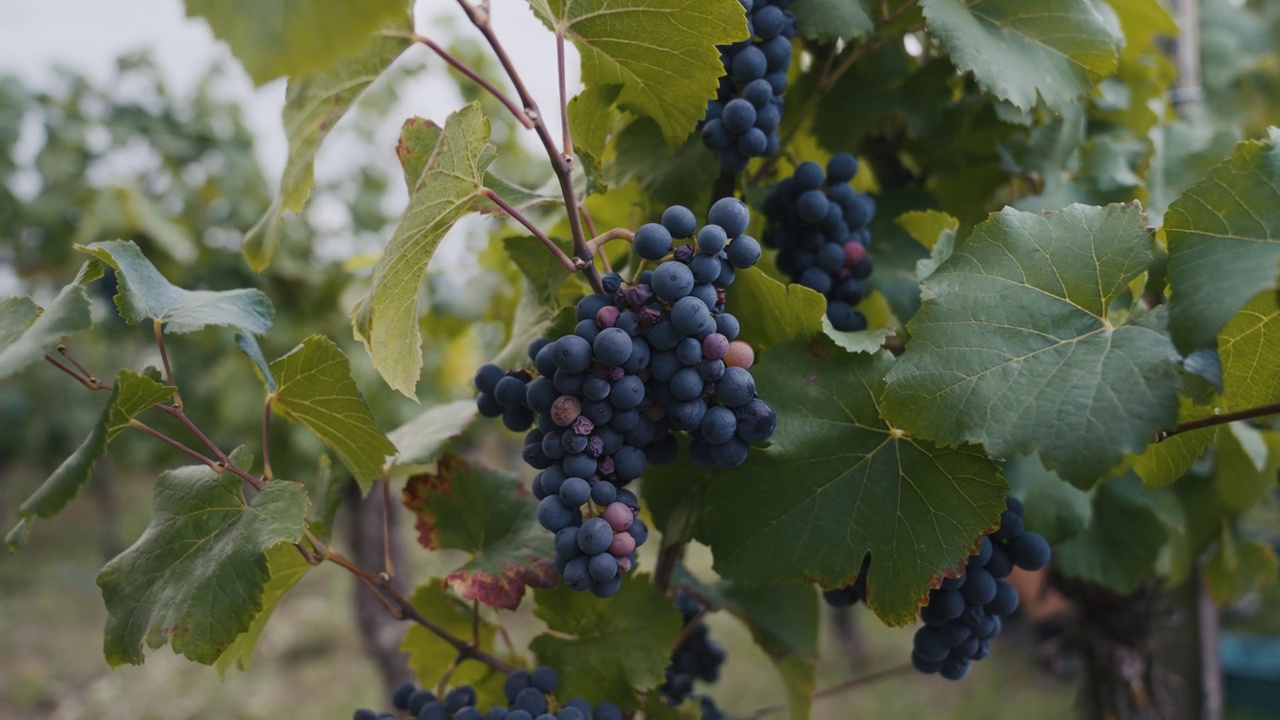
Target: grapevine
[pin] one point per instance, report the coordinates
(714, 398)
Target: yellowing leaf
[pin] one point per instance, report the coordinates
(387, 319)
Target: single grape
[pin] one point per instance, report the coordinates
(679, 221)
(731, 214)
(487, 378)
(652, 241)
(712, 238)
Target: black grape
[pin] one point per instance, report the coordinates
(819, 226)
(644, 361)
(966, 612)
(742, 122)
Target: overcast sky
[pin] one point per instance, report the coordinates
(88, 35)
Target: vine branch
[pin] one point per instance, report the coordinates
(521, 116)
(842, 687)
(397, 605)
(1222, 419)
(560, 161)
(570, 264)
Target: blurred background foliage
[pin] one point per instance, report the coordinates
(82, 161)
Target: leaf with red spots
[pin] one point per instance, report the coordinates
(489, 514)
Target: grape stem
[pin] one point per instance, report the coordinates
(614, 234)
(521, 116)
(841, 687)
(164, 358)
(560, 161)
(1222, 419)
(570, 264)
(266, 440)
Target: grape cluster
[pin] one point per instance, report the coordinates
(819, 226)
(742, 122)
(699, 657)
(527, 695)
(643, 361)
(963, 615)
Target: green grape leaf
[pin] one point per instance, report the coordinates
(1248, 460)
(287, 566)
(1015, 347)
(249, 346)
(543, 271)
(1225, 226)
(583, 640)
(315, 388)
(420, 440)
(784, 622)
(928, 227)
(1016, 49)
(313, 106)
(197, 576)
(145, 294)
(272, 38)
(1164, 462)
(592, 119)
(419, 138)
(847, 474)
(662, 52)
(1249, 347)
(28, 331)
(325, 490)
(491, 516)
(770, 312)
(831, 19)
(683, 178)
(430, 656)
(861, 341)
(387, 319)
(130, 395)
(1055, 508)
(1235, 569)
(1123, 541)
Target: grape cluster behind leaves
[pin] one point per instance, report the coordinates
(819, 226)
(529, 695)
(698, 658)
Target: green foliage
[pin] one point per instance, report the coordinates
(831, 19)
(421, 440)
(130, 395)
(847, 472)
(583, 642)
(28, 331)
(314, 104)
(1033, 341)
(1222, 227)
(387, 319)
(771, 312)
(315, 388)
(1023, 304)
(287, 566)
(1122, 543)
(197, 577)
(662, 52)
(145, 294)
(430, 656)
(292, 37)
(1054, 49)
